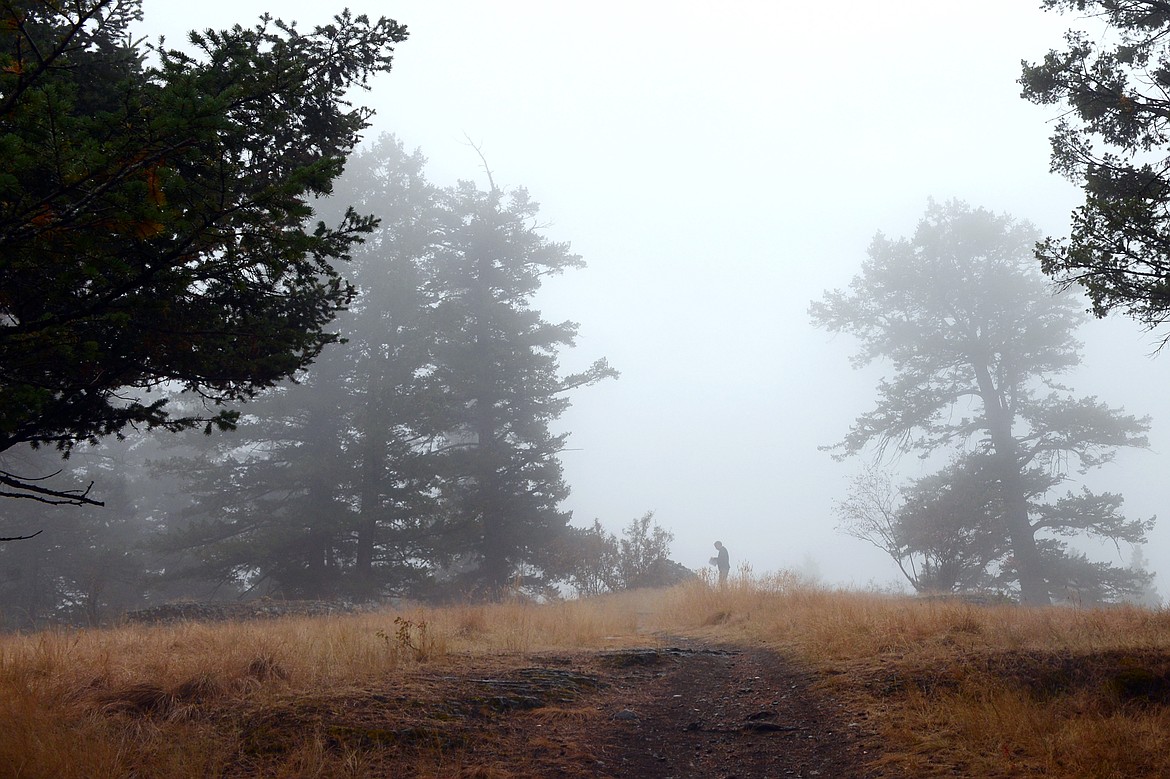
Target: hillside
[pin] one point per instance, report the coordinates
(768, 677)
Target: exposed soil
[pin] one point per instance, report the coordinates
(700, 711)
(685, 709)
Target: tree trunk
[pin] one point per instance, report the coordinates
(373, 465)
(494, 549)
(1033, 584)
(496, 569)
(1000, 416)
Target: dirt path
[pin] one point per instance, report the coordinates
(684, 709)
(694, 710)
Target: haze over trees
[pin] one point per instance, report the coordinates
(496, 359)
(170, 250)
(155, 217)
(417, 455)
(944, 531)
(977, 341)
(595, 561)
(178, 254)
(412, 458)
(1112, 141)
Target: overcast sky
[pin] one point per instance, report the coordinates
(719, 166)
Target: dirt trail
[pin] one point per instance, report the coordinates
(694, 710)
(684, 709)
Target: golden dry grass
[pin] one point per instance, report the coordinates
(943, 688)
(949, 688)
(191, 699)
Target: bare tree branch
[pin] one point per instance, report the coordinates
(30, 491)
(21, 538)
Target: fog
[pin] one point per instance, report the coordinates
(718, 167)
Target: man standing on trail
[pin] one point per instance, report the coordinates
(722, 562)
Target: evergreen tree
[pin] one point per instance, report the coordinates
(421, 444)
(271, 509)
(976, 340)
(399, 408)
(1148, 596)
(497, 359)
(330, 487)
(1111, 139)
(153, 218)
(944, 531)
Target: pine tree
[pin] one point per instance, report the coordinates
(1110, 139)
(154, 217)
(497, 359)
(977, 340)
(422, 443)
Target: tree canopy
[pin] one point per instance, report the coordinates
(1112, 141)
(155, 216)
(416, 457)
(976, 340)
(944, 531)
(595, 561)
(497, 358)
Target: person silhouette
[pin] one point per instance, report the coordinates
(721, 561)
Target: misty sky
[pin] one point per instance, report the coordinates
(719, 166)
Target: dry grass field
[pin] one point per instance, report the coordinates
(952, 689)
(938, 688)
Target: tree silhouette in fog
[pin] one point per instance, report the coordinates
(976, 340)
(417, 455)
(497, 359)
